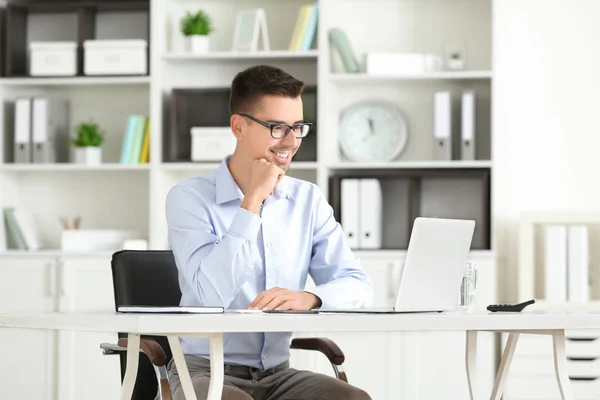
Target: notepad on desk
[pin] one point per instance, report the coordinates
(171, 309)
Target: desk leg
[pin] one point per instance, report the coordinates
(182, 369)
(133, 354)
(471, 361)
(217, 372)
(560, 366)
(502, 373)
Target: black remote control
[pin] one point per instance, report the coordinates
(510, 307)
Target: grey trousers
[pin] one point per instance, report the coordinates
(279, 383)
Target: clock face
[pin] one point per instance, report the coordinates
(373, 132)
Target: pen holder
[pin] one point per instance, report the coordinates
(468, 287)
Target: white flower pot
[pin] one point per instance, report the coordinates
(197, 44)
(88, 155)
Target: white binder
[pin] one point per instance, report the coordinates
(467, 147)
(556, 263)
(370, 214)
(578, 257)
(50, 133)
(350, 211)
(22, 143)
(442, 126)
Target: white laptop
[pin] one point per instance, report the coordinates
(435, 262)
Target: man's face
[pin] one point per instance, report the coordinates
(257, 140)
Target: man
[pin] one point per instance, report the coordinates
(247, 236)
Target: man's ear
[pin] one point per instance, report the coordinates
(237, 122)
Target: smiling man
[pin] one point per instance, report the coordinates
(248, 236)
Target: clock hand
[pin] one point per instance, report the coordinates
(371, 125)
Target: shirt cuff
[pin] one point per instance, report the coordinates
(322, 293)
(245, 224)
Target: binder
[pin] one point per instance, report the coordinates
(370, 214)
(442, 123)
(556, 263)
(350, 211)
(50, 133)
(22, 142)
(468, 126)
(578, 261)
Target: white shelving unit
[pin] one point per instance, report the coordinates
(132, 196)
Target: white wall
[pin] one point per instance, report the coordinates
(546, 136)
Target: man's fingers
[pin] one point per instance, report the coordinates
(288, 305)
(260, 296)
(277, 301)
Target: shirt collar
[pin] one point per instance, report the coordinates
(227, 189)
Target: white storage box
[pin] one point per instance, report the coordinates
(389, 64)
(78, 240)
(115, 57)
(212, 143)
(53, 58)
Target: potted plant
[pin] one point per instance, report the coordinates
(197, 29)
(88, 143)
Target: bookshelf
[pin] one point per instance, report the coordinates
(173, 68)
(116, 196)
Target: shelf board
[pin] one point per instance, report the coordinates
(412, 164)
(239, 55)
(75, 81)
(346, 78)
(70, 167)
(44, 253)
(199, 166)
(400, 255)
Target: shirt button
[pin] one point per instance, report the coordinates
(249, 267)
(264, 356)
(268, 244)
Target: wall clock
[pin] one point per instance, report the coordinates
(373, 131)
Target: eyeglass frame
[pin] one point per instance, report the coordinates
(271, 126)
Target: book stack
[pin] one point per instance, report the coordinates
(18, 230)
(305, 30)
(136, 140)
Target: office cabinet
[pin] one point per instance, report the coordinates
(57, 365)
(28, 356)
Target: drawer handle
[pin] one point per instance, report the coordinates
(582, 358)
(582, 339)
(582, 378)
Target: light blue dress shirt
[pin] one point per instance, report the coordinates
(227, 255)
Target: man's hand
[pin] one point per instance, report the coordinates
(263, 178)
(278, 298)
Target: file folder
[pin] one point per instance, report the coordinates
(578, 263)
(50, 134)
(22, 142)
(442, 126)
(350, 211)
(370, 214)
(556, 263)
(468, 126)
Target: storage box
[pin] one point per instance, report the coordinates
(53, 58)
(389, 64)
(115, 57)
(212, 143)
(82, 240)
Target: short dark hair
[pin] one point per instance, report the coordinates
(250, 85)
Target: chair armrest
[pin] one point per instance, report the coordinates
(324, 345)
(150, 347)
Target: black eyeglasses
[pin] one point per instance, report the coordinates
(280, 131)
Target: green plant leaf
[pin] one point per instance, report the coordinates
(196, 24)
(88, 134)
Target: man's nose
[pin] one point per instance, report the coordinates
(290, 140)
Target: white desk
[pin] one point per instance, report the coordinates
(213, 325)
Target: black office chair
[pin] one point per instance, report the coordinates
(150, 278)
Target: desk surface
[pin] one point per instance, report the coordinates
(210, 323)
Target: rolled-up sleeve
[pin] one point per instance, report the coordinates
(214, 267)
(340, 280)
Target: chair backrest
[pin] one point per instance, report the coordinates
(147, 278)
